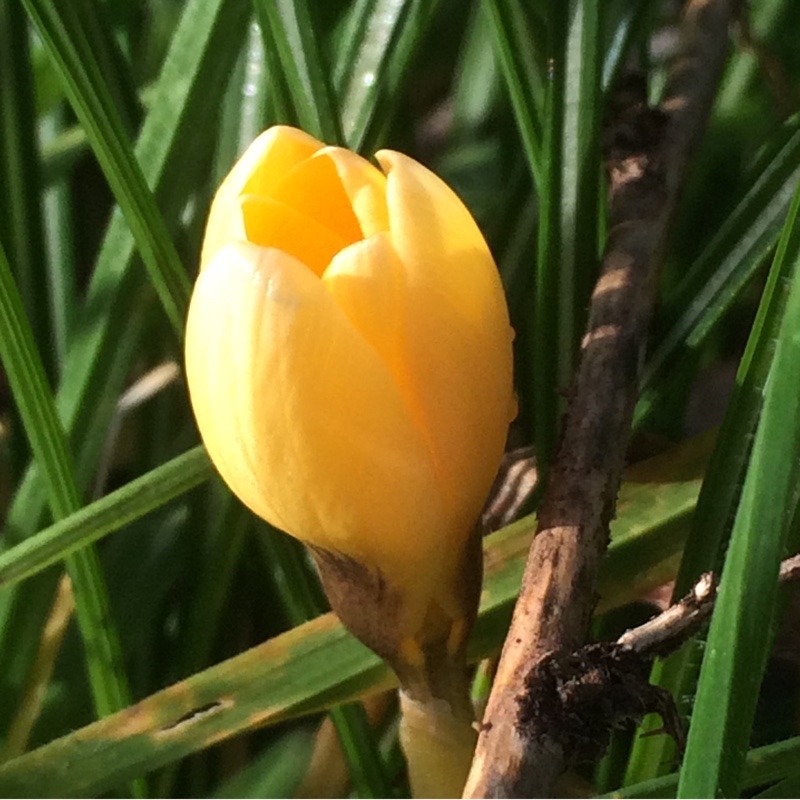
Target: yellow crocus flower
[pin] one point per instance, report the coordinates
(348, 354)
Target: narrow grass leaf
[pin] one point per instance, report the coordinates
(514, 45)
(716, 508)
(34, 400)
(739, 637)
(568, 210)
(82, 527)
(289, 26)
(364, 78)
(773, 762)
(60, 27)
(21, 227)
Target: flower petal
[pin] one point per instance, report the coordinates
(366, 280)
(303, 420)
(269, 223)
(314, 189)
(455, 331)
(365, 186)
(270, 156)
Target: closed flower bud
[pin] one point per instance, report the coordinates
(348, 354)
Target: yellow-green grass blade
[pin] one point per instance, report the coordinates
(318, 665)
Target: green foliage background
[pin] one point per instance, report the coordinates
(117, 121)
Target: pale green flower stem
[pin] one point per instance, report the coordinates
(437, 731)
(439, 742)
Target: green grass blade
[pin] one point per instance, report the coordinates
(568, 210)
(59, 245)
(60, 27)
(762, 765)
(83, 527)
(290, 26)
(365, 77)
(716, 508)
(739, 637)
(624, 25)
(399, 74)
(33, 397)
(276, 772)
(518, 59)
(116, 71)
(20, 179)
(29, 386)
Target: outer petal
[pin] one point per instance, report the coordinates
(455, 330)
(260, 169)
(366, 281)
(302, 418)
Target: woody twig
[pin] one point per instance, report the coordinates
(648, 152)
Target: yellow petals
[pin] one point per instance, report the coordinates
(349, 358)
(300, 415)
(271, 224)
(257, 172)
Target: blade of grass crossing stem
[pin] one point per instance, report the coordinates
(60, 27)
(21, 228)
(289, 27)
(568, 207)
(29, 385)
(716, 507)
(725, 267)
(514, 46)
(85, 526)
(303, 600)
(740, 634)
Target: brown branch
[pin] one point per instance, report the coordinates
(581, 696)
(648, 156)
